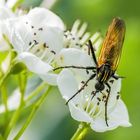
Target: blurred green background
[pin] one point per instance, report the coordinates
(53, 121)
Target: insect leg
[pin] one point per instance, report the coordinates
(107, 103)
(93, 94)
(85, 84)
(117, 77)
(92, 52)
(76, 67)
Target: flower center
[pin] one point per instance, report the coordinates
(37, 45)
(71, 40)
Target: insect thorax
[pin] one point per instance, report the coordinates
(104, 73)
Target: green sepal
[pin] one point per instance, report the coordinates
(18, 68)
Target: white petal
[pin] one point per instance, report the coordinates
(115, 91)
(33, 63)
(4, 46)
(40, 25)
(39, 16)
(116, 86)
(2, 2)
(18, 33)
(75, 57)
(119, 117)
(21, 37)
(90, 87)
(13, 101)
(53, 37)
(68, 85)
(5, 13)
(50, 78)
(79, 114)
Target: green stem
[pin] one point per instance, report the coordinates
(1, 138)
(12, 122)
(5, 99)
(36, 91)
(22, 85)
(1, 72)
(4, 77)
(34, 110)
(81, 132)
(22, 78)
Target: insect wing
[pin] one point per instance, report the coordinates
(112, 44)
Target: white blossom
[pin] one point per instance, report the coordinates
(13, 101)
(37, 38)
(82, 107)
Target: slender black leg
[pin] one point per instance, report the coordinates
(93, 94)
(107, 103)
(117, 77)
(85, 84)
(76, 67)
(92, 52)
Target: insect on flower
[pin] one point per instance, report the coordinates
(107, 62)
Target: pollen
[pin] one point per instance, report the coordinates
(35, 42)
(45, 45)
(117, 97)
(40, 29)
(61, 58)
(52, 51)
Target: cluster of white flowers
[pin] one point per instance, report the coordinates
(43, 43)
